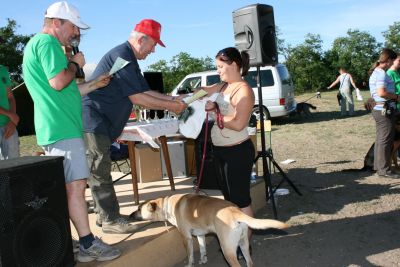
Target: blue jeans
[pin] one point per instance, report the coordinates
(9, 148)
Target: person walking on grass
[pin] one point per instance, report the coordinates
(346, 101)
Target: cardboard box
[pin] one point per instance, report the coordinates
(253, 139)
(148, 163)
(177, 156)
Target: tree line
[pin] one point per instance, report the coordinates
(311, 67)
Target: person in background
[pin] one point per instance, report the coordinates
(233, 149)
(345, 79)
(106, 111)
(50, 79)
(9, 141)
(394, 74)
(382, 90)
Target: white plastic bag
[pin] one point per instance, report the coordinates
(191, 128)
(358, 94)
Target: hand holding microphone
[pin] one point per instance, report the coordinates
(75, 51)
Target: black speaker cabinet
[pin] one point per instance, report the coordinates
(254, 30)
(156, 83)
(210, 178)
(34, 221)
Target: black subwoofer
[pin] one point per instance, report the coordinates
(34, 221)
(254, 32)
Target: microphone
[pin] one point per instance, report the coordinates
(75, 50)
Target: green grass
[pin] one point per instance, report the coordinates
(28, 145)
(326, 124)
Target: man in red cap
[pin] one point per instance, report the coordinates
(105, 114)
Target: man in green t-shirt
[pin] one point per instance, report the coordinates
(50, 78)
(394, 74)
(9, 142)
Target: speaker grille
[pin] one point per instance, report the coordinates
(40, 240)
(34, 223)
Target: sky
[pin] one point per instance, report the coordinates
(203, 27)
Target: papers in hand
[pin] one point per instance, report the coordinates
(191, 99)
(118, 64)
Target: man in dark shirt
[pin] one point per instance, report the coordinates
(106, 111)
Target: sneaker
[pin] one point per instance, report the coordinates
(119, 226)
(128, 218)
(99, 251)
(75, 246)
(389, 175)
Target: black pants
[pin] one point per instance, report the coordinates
(235, 164)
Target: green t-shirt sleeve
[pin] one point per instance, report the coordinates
(395, 76)
(49, 54)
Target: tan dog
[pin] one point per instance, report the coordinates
(199, 215)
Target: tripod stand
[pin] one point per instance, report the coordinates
(264, 154)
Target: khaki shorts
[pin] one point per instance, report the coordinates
(74, 153)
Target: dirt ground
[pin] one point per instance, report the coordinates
(342, 218)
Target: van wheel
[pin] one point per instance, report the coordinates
(256, 112)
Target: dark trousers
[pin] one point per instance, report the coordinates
(100, 180)
(383, 142)
(235, 164)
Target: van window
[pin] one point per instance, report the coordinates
(212, 79)
(266, 78)
(284, 74)
(189, 85)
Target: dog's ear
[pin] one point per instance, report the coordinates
(152, 206)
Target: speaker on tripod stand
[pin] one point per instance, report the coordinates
(254, 30)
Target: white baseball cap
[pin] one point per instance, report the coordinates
(63, 10)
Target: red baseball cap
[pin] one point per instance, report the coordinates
(151, 28)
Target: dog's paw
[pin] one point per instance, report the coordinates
(203, 259)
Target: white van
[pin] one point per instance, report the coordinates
(277, 88)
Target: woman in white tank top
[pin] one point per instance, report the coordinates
(345, 79)
(233, 150)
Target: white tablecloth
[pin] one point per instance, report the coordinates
(147, 131)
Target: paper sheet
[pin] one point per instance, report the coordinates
(288, 161)
(118, 64)
(191, 99)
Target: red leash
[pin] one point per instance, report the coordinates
(220, 123)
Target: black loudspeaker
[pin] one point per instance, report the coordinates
(34, 221)
(254, 30)
(156, 83)
(210, 178)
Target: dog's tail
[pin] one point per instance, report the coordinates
(261, 223)
(313, 107)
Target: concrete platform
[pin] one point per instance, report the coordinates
(138, 249)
